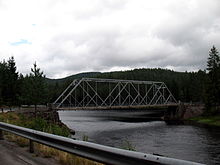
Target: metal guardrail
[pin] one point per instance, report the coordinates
(96, 152)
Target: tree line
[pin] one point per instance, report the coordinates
(16, 89)
(34, 88)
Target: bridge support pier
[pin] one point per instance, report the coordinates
(174, 114)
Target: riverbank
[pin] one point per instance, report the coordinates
(207, 120)
(44, 126)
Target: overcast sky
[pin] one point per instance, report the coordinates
(66, 37)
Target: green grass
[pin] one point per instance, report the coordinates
(209, 120)
(128, 146)
(34, 123)
(42, 150)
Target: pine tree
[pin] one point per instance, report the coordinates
(2, 82)
(213, 85)
(8, 82)
(213, 64)
(12, 68)
(38, 86)
(13, 81)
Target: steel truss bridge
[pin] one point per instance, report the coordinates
(88, 93)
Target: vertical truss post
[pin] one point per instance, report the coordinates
(138, 94)
(119, 93)
(163, 94)
(75, 97)
(96, 97)
(83, 94)
(109, 91)
(87, 98)
(129, 91)
(146, 92)
(70, 102)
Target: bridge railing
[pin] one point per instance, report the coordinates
(96, 152)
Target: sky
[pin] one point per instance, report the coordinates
(66, 37)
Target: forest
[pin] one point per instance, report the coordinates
(34, 88)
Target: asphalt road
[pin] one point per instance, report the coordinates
(11, 154)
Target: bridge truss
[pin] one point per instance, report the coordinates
(94, 92)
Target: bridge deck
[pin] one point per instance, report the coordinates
(159, 106)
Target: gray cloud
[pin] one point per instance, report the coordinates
(100, 36)
(195, 31)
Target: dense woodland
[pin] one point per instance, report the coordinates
(34, 88)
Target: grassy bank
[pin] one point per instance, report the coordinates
(42, 150)
(208, 120)
(34, 123)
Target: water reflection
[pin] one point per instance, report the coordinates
(183, 142)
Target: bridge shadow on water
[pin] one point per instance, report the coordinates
(124, 115)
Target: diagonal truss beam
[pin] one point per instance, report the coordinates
(94, 92)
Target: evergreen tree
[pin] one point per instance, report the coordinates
(38, 86)
(3, 67)
(213, 82)
(213, 64)
(8, 82)
(13, 81)
(26, 90)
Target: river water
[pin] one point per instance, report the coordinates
(186, 142)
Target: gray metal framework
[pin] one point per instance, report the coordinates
(94, 92)
(96, 152)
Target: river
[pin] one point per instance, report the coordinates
(186, 142)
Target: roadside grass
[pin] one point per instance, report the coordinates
(63, 157)
(20, 141)
(34, 123)
(209, 120)
(39, 149)
(128, 146)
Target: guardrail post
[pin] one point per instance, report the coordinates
(1, 135)
(31, 146)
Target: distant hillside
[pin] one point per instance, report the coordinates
(185, 86)
(72, 77)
